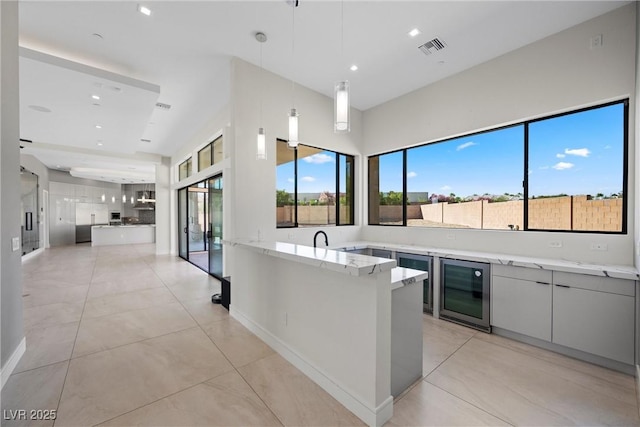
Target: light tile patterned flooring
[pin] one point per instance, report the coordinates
(119, 336)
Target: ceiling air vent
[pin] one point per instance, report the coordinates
(145, 140)
(163, 106)
(432, 46)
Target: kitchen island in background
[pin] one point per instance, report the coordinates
(102, 235)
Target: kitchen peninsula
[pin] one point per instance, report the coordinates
(102, 235)
(352, 323)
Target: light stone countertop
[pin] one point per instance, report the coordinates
(401, 276)
(342, 262)
(124, 226)
(614, 271)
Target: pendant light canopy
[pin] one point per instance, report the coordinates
(261, 147)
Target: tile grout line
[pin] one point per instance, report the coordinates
(425, 379)
(64, 383)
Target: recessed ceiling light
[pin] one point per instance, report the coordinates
(354, 67)
(98, 127)
(99, 144)
(413, 32)
(96, 97)
(144, 10)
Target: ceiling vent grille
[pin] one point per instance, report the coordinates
(163, 106)
(432, 46)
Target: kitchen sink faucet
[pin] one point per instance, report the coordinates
(315, 236)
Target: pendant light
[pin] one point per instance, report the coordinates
(341, 122)
(261, 153)
(293, 114)
(124, 198)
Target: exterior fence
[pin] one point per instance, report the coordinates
(553, 213)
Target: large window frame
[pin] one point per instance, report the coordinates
(525, 172)
(349, 186)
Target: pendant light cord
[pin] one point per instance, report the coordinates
(293, 62)
(261, 82)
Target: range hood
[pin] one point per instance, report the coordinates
(145, 200)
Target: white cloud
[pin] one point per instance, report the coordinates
(581, 152)
(562, 166)
(561, 156)
(445, 188)
(465, 145)
(411, 174)
(607, 147)
(291, 180)
(318, 159)
(308, 179)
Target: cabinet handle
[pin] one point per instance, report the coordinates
(563, 286)
(543, 283)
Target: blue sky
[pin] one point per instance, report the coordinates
(580, 153)
(316, 173)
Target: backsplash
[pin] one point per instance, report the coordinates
(147, 217)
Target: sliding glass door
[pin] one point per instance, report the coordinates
(200, 224)
(215, 226)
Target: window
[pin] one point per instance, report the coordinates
(473, 181)
(576, 165)
(205, 157)
(313, 186)
(184, 170)
(575, 180)
(386, 189)
(211, 154)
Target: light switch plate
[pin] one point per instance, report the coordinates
(15, 244)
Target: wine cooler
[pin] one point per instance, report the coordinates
(464, 293)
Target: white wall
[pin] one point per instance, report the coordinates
(558, 73)
(254, 208)
(12, 331)
(163, 215)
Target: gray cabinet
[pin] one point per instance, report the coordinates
(521, 301)
(594, 314)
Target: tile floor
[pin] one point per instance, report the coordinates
(119, 336)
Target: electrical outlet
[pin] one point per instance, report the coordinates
(451, 236)
(555, 244)
(595, 42)
(599, 247)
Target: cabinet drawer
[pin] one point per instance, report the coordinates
(533, 274)
(595, 283)
(595, 322)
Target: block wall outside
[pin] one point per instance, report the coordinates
(499, 215)
(468, 214)
(552, 213)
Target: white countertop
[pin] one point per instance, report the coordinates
(342, 262)
(606, 270)
(401, 276)
(124, 226)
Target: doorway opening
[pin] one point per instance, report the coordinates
(200, 225)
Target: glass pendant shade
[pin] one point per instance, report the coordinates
(124, 198)
(341, 107)
(132, 200)
(262, 145)
(293, 128)
(103, 198)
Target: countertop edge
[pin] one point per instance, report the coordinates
(326, 258)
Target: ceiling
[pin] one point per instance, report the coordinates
(180, 56)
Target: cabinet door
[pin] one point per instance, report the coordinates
(596, 322)
(521, 306)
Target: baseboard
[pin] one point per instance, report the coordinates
(13, 361)
(571, 352)
(33, 254)
(372, 416)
